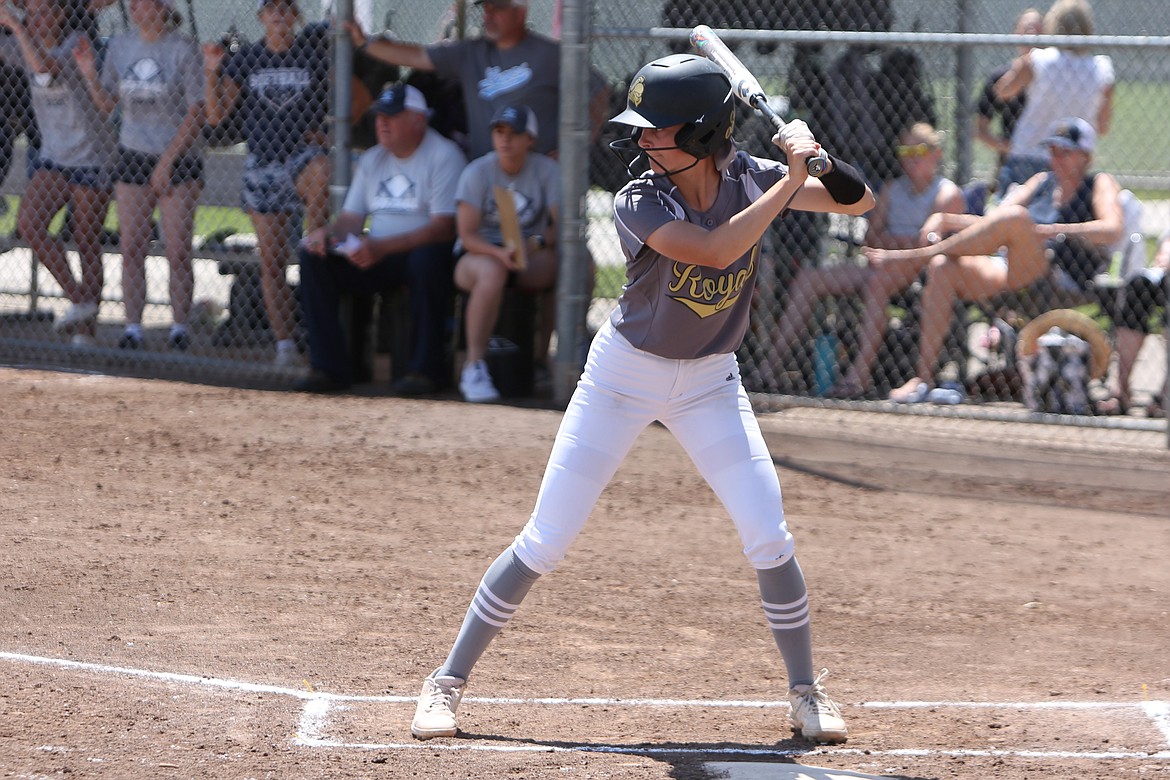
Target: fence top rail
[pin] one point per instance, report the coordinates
(891, 38)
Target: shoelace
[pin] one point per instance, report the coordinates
(440, 696)
(818, 699)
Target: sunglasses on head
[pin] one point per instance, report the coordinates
(912, 151)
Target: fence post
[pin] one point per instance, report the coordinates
(342, 100)
(963, 80)
(573, 154)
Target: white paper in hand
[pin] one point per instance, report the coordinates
(350, 245)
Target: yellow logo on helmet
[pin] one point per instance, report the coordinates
(636, 90)
(730, 127)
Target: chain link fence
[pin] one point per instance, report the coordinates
(831, 327)
(861, 72)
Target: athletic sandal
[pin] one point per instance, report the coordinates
(911, 395)
(814, 715)
(1157, 407)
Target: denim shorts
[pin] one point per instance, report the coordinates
(271, 188)
(94, 177)
(136, 167)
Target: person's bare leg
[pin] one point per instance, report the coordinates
(313, 187)
(1011, 227)
(89, 216)
(135, 205)
(483, 279)
(272, 243)
(177, 208)
(541, 276)
(1129, 344)
(810, 285)
(884, 280)
(948, 279)
(45, 195)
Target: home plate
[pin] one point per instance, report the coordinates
(755, 770)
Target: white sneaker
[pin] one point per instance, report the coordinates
(814, 714)
(434, 716)
(75, 315)
(287, 358)
(476, 384)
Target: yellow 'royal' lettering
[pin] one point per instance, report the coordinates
(706, 295)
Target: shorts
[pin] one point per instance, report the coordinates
(94, 177)
(271, 188)
(136, 167)
(1140, 299)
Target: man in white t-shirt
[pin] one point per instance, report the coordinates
(405, 188)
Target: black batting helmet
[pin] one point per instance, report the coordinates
(687, 90)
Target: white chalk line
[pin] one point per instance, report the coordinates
(315, 717)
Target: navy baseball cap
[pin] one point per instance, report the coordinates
(1072, 133)
(520, 118)
(504, 3)
(262, 3)
(399, 98)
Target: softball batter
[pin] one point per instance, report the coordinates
(689, 228)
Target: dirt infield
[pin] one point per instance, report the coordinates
(221, 583)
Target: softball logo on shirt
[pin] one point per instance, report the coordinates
(279, 87)
(397, 193)
(707, 295)
(144, 81)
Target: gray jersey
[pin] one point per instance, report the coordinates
(156, 83)
(401, 195)
(73, 132)
(536, 190)
(678, 310)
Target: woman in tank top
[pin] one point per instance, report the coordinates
(1054, 222)
(896, 222)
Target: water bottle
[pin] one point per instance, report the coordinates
(824, 360)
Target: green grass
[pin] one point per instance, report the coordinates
(208, 219)
(608, 281)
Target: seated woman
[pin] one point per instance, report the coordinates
(896, 222)
(1056, 221)
(487, 266)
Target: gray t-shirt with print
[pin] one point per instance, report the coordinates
(528, 73)
(536, 190)
(401, 195)
(74, 134)
(677, 310)
(156, 83)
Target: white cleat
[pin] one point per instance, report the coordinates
(434, 716)
(814, 714)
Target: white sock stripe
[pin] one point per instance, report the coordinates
(791, 606)
(491, 621)
(487, 605)
(778, 626)
(496, 600)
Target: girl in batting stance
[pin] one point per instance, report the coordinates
(690, 228)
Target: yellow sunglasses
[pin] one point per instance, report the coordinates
(914, 150)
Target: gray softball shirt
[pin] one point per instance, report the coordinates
(679, 310)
